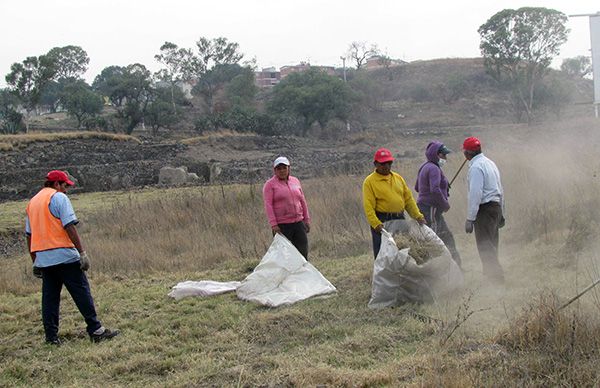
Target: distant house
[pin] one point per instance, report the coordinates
(379, 61)
(267, 77)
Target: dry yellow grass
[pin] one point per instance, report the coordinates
(10, 142)
(142, 244)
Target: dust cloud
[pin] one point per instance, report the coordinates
(551, 177)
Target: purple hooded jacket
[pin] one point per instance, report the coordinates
(432, 185)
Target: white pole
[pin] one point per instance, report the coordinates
(344, 66)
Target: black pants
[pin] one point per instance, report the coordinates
(486, 236)
(435, 219)
(77, 284)
(376, 236)
(296, 233)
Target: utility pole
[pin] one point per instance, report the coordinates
(344, 67)
(595, 43)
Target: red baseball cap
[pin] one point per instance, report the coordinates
(471, 144)
(59, 176)
(383, 155)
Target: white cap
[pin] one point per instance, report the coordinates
(281, 160)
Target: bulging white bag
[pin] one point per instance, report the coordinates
(398, 279)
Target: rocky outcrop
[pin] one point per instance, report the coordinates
(177, 176)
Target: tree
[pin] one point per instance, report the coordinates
(175, 61)
(518, 45)
(218, 51)
(160, 112)
(242, 89)
(109, 83)
(579, 66)
(11, 121)
(50, 96)
(80, 101)
(27, 80)
(70, 62)
(312, 96)
(129, 89)
(215, 80)
(358, 52)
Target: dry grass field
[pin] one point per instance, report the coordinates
(142, 243)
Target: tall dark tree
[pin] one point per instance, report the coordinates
(28, 79)
(11, 121)
(518, 46)
(129, 89)
(70, 62)
(215, 80)
(313, 96)
(80, 101)
(218, 51)
(175, 61)
(579, 66)
(109, 83)
(160, 113)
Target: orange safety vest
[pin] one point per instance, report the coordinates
(47, 231)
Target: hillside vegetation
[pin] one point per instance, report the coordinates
(142, 243)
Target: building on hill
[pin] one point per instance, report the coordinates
(381, 61)
(267, 77)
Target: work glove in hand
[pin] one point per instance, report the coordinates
(502, 222)
(469, 226)
(84, 261)
(37, 272)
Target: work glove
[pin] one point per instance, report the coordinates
(84, 261)
(469, 226)
(37, 272)
(502, 222)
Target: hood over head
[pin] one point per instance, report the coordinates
(432, 151)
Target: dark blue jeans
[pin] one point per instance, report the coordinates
(376, 236)
(77, 284)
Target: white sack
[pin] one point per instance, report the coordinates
(398, 279)
(283, 277)
(202, 288)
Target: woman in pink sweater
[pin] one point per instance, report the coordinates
(286, 207)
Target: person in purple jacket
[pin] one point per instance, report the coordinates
(286, 207)
(433, 187)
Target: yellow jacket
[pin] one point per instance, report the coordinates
(387, 194)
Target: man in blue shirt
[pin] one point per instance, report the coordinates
(59, 258)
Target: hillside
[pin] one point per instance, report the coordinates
(415, 101)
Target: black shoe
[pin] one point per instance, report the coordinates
(106, 335)
(53, 341)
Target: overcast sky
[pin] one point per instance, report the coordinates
(275, 32)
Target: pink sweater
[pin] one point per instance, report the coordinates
(284, 201)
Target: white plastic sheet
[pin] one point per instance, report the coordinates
(283, 277)
(201, 288)
(398, 279)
